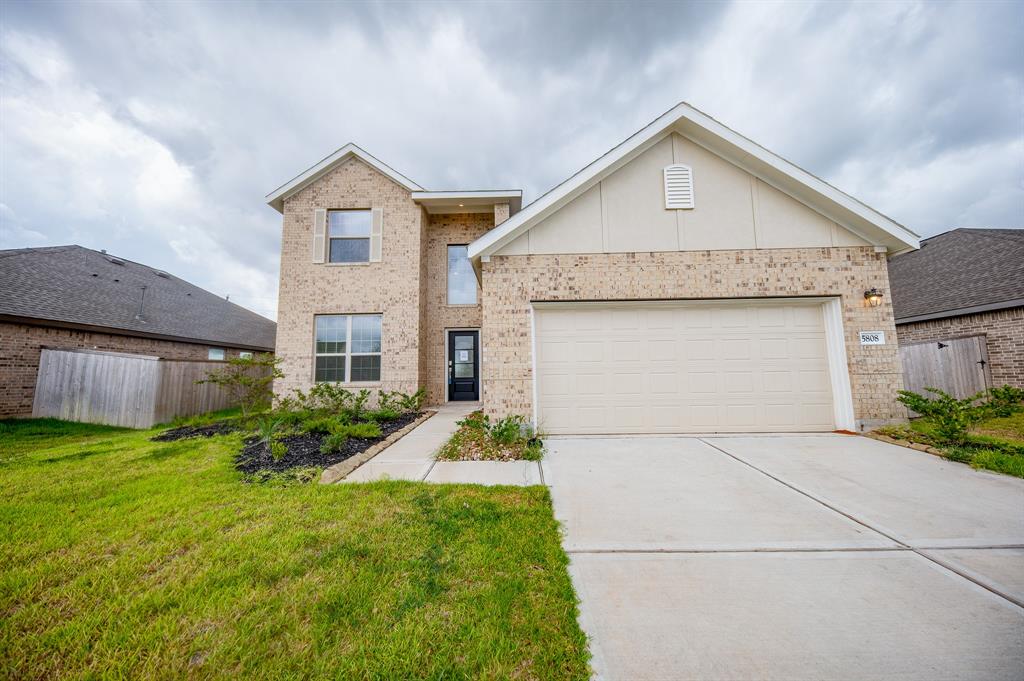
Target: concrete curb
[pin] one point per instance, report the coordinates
(906, 443)
(342, 469)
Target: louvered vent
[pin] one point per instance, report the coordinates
(678, 186)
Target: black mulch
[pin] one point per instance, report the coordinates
(304, 449)
(218, 428)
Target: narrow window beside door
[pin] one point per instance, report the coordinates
(461, 280)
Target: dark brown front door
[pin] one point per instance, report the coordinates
(463, 365)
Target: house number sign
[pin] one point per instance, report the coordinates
(872, 338)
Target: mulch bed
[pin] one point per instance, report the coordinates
(184, 432)
(304, 449)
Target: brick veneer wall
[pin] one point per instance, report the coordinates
(445, 230)
(510, 283)
(1004, 338)
(390, 287)
(21, 344)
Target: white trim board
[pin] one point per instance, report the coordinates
(730, 145)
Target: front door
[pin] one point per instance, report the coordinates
(463, 365)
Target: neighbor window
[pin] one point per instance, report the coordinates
(348, 234)
(215, 353)
(245, 355)
(347, 348)
(461, 280)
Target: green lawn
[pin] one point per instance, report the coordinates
(124, 558)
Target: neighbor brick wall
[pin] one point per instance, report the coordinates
(1004, 338)
(390, 287)
(510, 283)
(21, 344)
(444, 230)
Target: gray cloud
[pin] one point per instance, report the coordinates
(154, 130)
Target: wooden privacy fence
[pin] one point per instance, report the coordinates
(118, 389)
(957, 365)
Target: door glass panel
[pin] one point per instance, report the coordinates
(464, 370)
(464, 342)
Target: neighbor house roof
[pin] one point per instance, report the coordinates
(76, 287)
(959, 272)
(697, 126)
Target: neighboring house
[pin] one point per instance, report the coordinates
(74, 297)
(961, 286)
(686, 281)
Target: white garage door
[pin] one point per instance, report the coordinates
(691, 367)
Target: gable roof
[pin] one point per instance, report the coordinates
(959, 272)
(78, 287)
(697, 126)
(310, 175)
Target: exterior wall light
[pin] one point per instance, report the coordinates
(873, 296)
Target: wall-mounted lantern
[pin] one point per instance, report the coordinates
(873, 296)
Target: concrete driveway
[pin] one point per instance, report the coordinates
(790, 557)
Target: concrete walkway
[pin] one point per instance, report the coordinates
(412, 457)
(790, 557)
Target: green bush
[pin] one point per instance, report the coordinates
(333, 443)
(277, 450)
(383, 415)
(247, 380)
(477, 420)
(1004, 401)
(362, 430)
(342, 432)
(951, 417)
(508, 430)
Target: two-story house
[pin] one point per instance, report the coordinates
(686, 281)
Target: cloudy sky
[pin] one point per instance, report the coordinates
(155, 130)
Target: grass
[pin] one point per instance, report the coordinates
(995, 444)
(126, 558)
(478, 440)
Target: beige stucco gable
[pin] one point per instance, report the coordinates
(625, 212)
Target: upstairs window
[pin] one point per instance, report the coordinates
(348, 348)
(348, 235)
(461, 280)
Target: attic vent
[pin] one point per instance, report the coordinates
(161, 274)
(116, 261)
(678, 186)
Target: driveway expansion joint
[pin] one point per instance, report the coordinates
(905, 546)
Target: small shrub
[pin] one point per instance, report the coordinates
(324, 424)
(508, 430)
(333, 443)
(382, 415)
(277, 450)
(247, 380)
(477, 420)
(362, 430)
(1004, 401)
(412, 402)
(266, 428)
(951, 417)
(356, 411)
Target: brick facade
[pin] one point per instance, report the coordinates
(1004, 338)
(445, 230)
(21, 345)
(510, 283)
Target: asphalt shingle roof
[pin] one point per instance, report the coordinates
(959, 269)
(77, 285)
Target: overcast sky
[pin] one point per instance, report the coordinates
(155, 130)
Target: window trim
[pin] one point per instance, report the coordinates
(211, 349)
(348, 354)
(368, 238)
(447, 273)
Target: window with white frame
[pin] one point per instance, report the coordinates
(215, 353)
(348, 235)
(461, 280)
(245, 355)
(347, 348)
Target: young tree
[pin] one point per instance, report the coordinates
(247, 379)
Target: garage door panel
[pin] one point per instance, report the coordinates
(730, 367)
